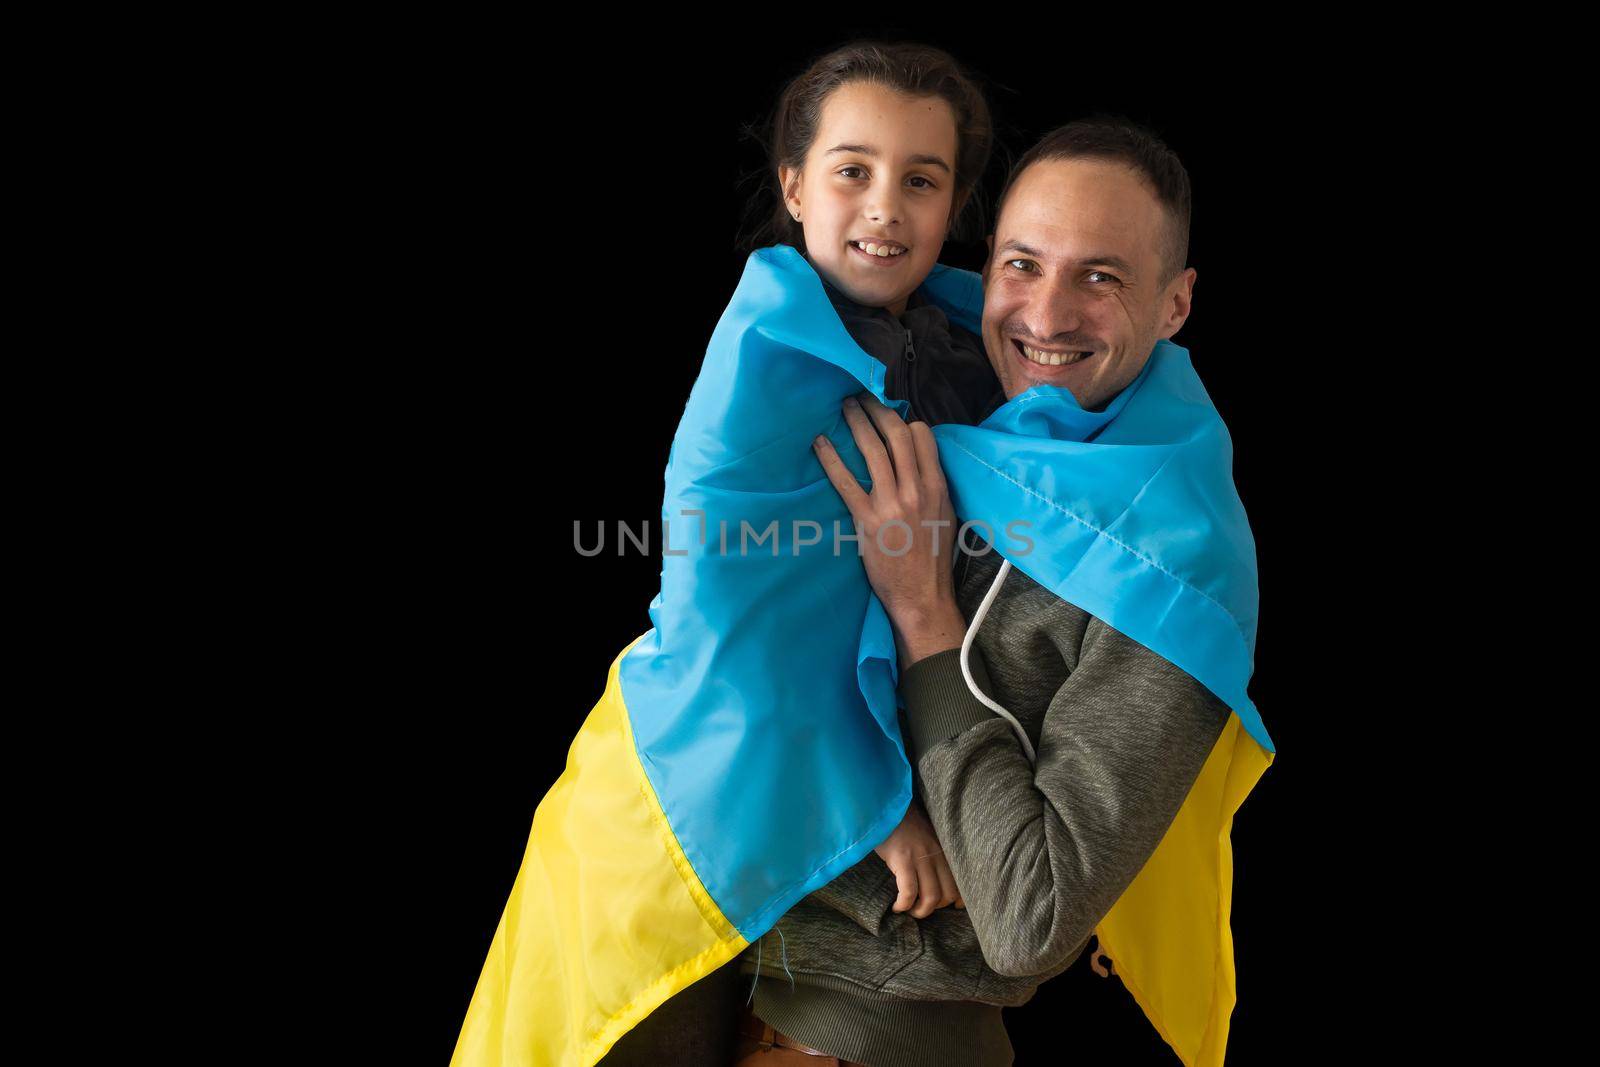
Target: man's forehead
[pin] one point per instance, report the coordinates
(1080, 209)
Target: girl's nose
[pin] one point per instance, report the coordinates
(883, 207)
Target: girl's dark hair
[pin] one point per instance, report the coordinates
(913, 69)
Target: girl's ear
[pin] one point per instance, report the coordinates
(789, 182)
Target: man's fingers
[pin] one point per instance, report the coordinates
(901, 446)
(855, 497)
(928, 466)
(872, 449)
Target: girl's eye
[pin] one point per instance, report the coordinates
(845, 173)
(926, 184)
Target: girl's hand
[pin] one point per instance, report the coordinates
(915, 856)
(907, 525)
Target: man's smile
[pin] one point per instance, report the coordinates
(1049, 362)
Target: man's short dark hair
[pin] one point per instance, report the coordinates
(1120, 140)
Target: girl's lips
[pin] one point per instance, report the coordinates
(877, 261)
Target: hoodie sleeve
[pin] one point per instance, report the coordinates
(1041, 852)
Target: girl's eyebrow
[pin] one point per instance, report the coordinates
(868, 150)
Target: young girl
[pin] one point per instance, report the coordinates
(875, 151)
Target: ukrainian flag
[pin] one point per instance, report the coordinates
(667, 845)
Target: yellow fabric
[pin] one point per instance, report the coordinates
(606, 919)
(1168, 935)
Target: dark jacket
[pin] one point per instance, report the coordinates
(938, 367)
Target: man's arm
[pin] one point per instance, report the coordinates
(1041, 853)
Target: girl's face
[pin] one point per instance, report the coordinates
(876, 191)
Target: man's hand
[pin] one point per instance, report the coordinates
(906, 523)
(915, 856)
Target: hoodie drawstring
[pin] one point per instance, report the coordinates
(966, 669)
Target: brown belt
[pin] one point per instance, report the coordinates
(752, 1026)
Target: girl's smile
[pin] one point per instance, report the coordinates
(881, 253)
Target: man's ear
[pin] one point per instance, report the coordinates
(1175, 303)
(789, 182)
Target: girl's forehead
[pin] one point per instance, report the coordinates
(872, 119)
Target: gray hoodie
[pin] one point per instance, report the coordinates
(1040, 852)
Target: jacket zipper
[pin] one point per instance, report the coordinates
(911, 377)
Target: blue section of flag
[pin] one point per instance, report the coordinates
(763, 701)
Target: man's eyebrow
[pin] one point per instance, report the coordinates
(868, 150)
(1109, 261)
(1114, 262)
(1013, 245)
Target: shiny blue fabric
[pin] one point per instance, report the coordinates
(763, 701)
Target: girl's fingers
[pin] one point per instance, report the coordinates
(905, 877)
(928, 899)
(947, 881)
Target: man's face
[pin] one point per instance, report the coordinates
(879, 176)
(1072, 290)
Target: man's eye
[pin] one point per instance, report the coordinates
(1100, 276)
(1027, 264)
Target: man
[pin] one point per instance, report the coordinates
(1085, 274)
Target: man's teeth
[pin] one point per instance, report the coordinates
(1052, 359)
(879, 250)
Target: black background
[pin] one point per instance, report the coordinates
(540, 244)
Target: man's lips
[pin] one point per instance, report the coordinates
(1071, 357)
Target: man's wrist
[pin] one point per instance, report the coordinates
(928, 631)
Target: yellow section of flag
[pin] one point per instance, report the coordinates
(1168, 935)
(606, 919)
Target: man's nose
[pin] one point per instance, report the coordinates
(1053, 309)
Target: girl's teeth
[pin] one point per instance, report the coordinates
(1052, 359)
(878, 250)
